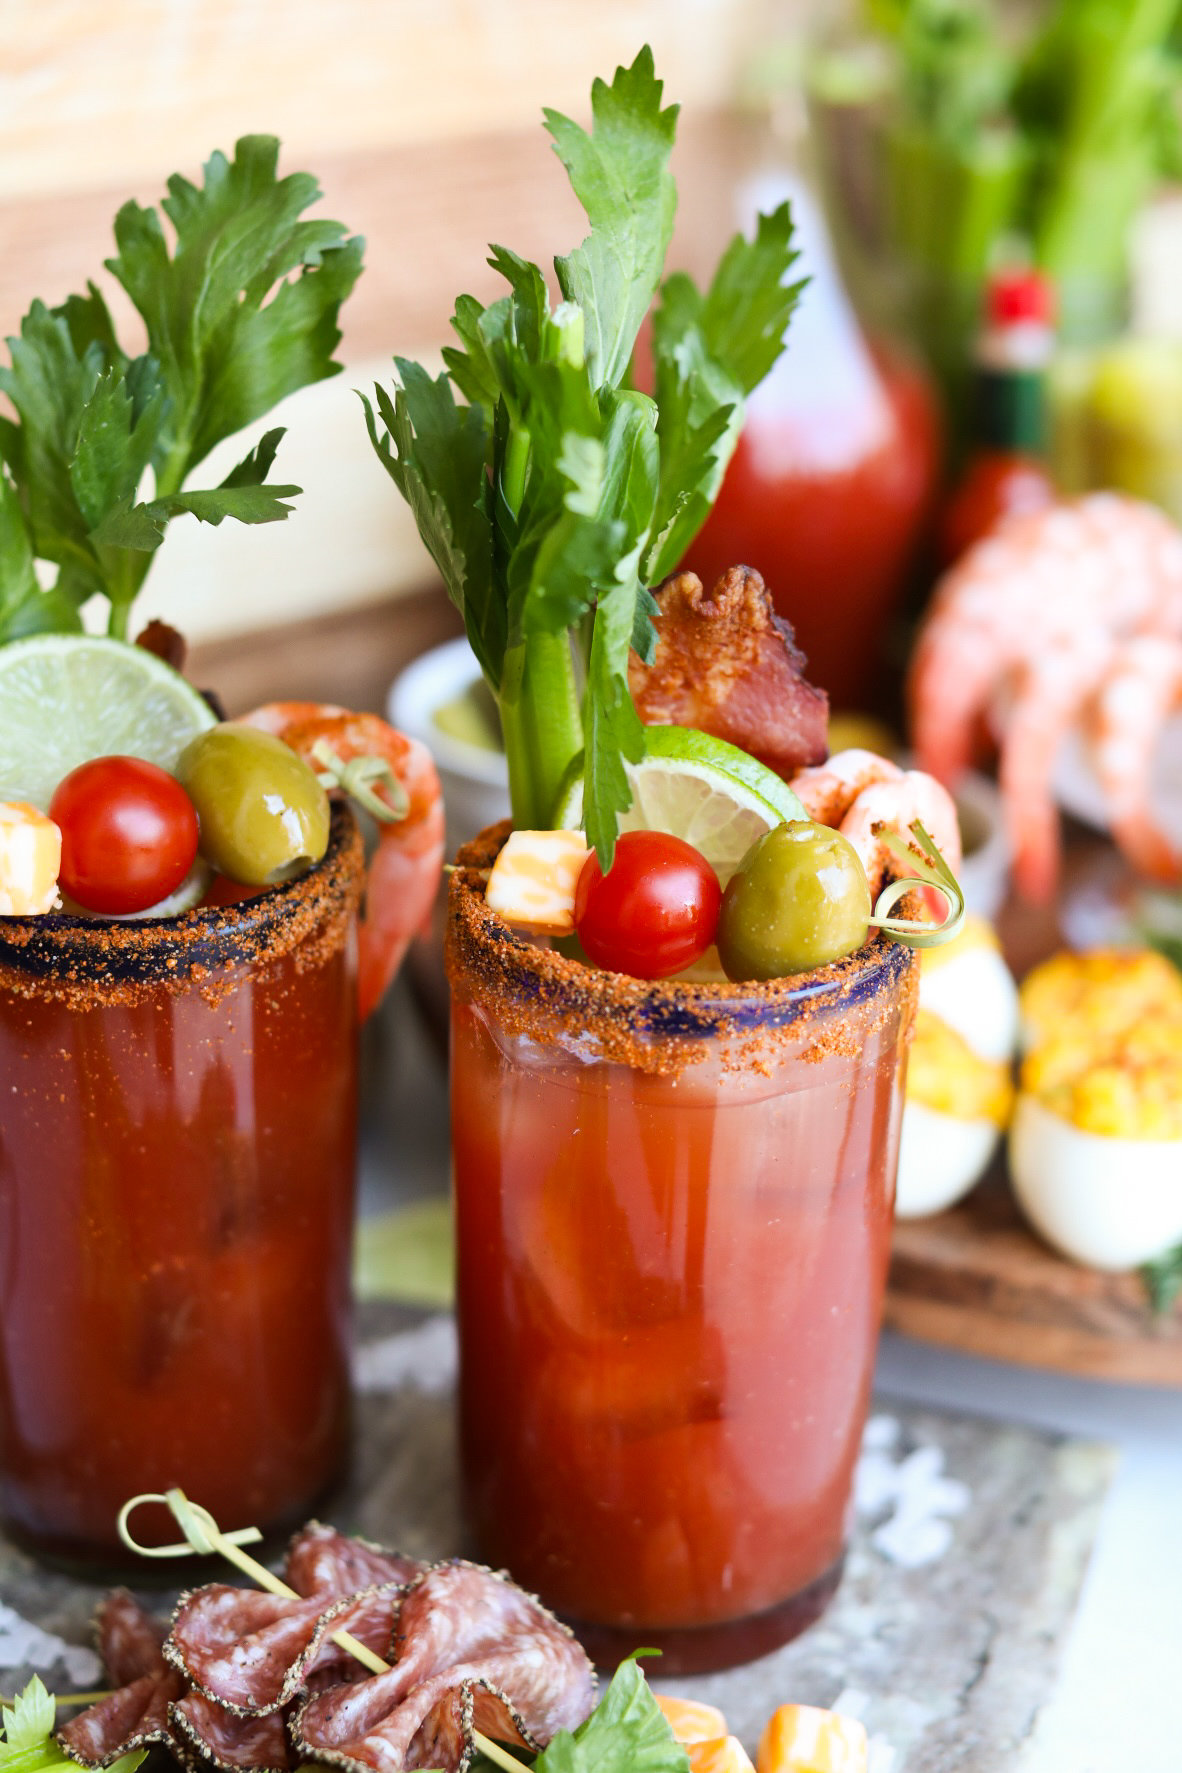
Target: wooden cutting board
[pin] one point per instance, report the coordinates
(976, 1279)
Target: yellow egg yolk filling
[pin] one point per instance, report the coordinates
(944, 1073)
(1125, 1084)
(1090, 997)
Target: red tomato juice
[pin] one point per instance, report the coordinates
(670, 1284)
(176, 1202)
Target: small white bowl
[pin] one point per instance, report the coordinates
(475, 780)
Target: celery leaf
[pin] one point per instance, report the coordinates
(620, 174)
(626, 1733)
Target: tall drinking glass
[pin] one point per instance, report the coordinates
(177, 1138)
(674, 1209)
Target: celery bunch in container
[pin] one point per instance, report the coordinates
(552, 493)
(942, 141)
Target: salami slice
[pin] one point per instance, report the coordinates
(252, 1652)
(136, 1715)
(209, 1732)
(129, 1639)
(460, 1627)
(320, 1560)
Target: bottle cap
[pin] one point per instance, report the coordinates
(1018, 296)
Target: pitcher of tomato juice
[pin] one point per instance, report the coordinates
(674, 1208)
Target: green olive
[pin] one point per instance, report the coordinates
(798, 900)
(264, 815)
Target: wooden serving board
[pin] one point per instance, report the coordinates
(975, 1278)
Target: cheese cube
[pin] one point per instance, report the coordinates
(533, 880)
(805, 1739)
(30, 856)
(692, 1720)
(720, 1754)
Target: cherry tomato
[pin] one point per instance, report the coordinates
(654, 912)
(129, 834)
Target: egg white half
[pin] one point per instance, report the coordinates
(1104, 1202)
(974, 993)
(940, 1158)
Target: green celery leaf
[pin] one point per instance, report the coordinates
(708, 352)
(114, 446)
(253, 469)
(28, 1744)
(224, 357)
(613, 728)
(515, 325)
(29, 1719)
(20, 594)
(435, 452)
(49, 384)
(626, 1733)
(142, 526)
(620, 174)
(90, 323)
(748, 305)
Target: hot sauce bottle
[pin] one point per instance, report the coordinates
(1007, 472)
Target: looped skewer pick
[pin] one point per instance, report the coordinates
(356, 777)
(927, 869)
(205, 1537)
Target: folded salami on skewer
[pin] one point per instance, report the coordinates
(252, 1682)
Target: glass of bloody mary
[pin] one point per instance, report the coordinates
(673, 1208)
(176, 1208)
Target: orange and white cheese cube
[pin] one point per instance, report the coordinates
(805, 1739)
(692, 1720)
(533, 880)
(718, 1754)
(30, 857)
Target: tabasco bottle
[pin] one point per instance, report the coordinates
(1007, 471)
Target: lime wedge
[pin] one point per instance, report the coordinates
(702, 789)
(65, 698)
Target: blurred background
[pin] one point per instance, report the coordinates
(928, 145)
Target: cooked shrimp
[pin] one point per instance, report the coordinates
(829, 789)
(1023, 631)
(404, 870)
(860, 793)
(894, 806)
(1142, 691)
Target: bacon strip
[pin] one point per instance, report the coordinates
(469, 1643)
(727, 664)
(137, 1714)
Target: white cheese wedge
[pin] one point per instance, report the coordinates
(533, 880)
(30, 857)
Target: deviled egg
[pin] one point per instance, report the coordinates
(959, 1091)
(1096, 1144)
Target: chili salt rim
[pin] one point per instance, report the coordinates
(660, 1024)
(86, 961)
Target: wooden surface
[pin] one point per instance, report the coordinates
(952, 1661)
(976, 1279)
(351, 658)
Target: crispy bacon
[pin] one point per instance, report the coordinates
(726, 663)
(468, 1644)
